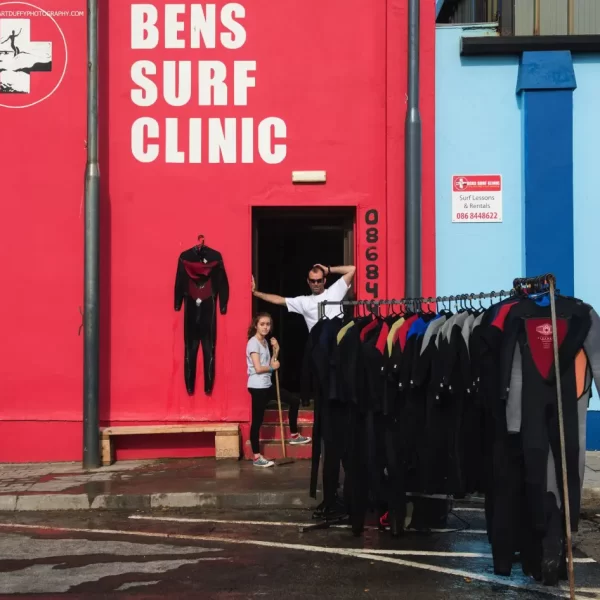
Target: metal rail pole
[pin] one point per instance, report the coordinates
(91, 345)
(413, 159)
(561, 428)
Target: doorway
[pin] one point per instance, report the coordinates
(286, 243)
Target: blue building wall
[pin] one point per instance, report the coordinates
(586, 102)
(586, 185)
(479, 130)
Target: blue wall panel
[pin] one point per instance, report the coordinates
(478, 132)
(546, 81)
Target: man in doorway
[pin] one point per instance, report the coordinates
(308, 306)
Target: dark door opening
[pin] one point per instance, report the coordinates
(287, 242)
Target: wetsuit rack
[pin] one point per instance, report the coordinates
(522, 287)
(372, 305)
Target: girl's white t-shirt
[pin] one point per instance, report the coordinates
(258, 380)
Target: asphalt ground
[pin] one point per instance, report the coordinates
(261, 554)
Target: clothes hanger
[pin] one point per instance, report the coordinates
(477, 310)
(445, 310)
(390, 316)
(472, 309)
(360, 310)
(375, 310)
(428, 302)
(200, 247)
(450, 300)
(402, 309)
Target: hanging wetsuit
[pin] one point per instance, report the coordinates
(329, 426)
(534, 414)
(502, 502)
(200, 278)
(529, 324)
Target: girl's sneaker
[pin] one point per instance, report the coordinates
(299, 439)
(261, 461)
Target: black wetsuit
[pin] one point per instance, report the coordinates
(200, 278)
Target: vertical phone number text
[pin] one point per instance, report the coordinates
(372, 253)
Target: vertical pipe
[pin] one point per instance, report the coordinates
(536, 17)
(91, 353)
(412, 159)
(571, 17)
(507, 13)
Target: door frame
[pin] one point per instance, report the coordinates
(347, 222)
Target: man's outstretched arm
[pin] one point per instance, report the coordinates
(271, 298)
(346, 271)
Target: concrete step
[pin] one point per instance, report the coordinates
(273, 451)
(272, 431)
(304, 416)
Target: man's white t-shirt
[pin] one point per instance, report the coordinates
(308, 306)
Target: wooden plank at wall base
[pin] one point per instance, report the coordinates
(227, 437)
(166, 429)
(107, 451)
(227, 445)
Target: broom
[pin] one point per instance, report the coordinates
(284, 461)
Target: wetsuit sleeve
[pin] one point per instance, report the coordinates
(592, 347)
(180, 283)
(515, 401)
(223, 289)
(510, 325)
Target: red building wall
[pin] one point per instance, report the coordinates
(331, 75)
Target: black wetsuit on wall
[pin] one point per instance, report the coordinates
(200, 278)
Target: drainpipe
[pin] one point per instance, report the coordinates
(91, 346)
(412, 160)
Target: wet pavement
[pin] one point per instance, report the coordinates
(154, 484)
(180, 483)
(150, 476)
(258, 553)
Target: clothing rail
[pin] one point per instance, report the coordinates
(534, 284)
(521, 287)
(414, 301)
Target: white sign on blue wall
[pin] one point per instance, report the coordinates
(477, 199)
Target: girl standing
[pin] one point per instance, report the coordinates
(260, 368)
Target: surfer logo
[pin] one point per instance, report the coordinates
(33, 58)
(545, 329)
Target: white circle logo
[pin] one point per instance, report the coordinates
(33, 55)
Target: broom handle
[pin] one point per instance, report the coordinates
(561, 429)
(280, 415)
